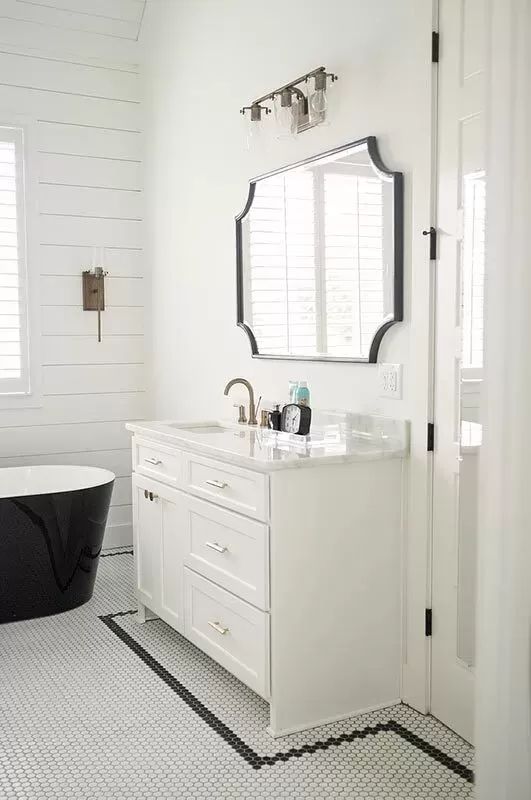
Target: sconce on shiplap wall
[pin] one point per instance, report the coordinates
(294, 111)
(94, 285)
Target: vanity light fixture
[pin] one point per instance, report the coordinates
(295, 110)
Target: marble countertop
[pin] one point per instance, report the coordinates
(340, 437)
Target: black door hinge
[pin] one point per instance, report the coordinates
(432, 233)
(428, 622)
(434, 47)
(431, 437)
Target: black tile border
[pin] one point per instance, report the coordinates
(255, 760)
(121, 553)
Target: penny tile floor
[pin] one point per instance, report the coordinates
(95, 706)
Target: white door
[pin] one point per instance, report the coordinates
(458, 357)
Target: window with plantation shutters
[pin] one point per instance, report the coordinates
(317, 276)
(14, 360)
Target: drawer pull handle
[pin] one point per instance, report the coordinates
(219, 548)
(154, 461)
(217, 484)
(217, 627)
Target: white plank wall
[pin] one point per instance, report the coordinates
(85, 105)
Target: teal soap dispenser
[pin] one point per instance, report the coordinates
(302, 394)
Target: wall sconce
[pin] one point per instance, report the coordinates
(94, 287)
(295, 111)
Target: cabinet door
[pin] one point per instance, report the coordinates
(172, 557)
(159, 548)
(147, 524)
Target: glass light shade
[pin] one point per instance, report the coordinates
(283, 118)
(318, 101)
(294, 116)
(252, 132)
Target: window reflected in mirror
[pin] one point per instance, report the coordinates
(320, 257)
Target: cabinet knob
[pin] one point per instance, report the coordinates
(153, 496)
(219, 548)
(154, 461)
(146, 493)
(217, 484)
(217, 627)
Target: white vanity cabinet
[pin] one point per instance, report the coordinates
(286, 571)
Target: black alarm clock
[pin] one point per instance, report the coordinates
(296, 419)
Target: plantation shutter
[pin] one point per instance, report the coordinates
(316, 253)
(14, 361)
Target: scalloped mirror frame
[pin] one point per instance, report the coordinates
(398, 255)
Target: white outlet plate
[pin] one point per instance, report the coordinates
(390, 380)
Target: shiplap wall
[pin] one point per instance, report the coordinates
(85, 110)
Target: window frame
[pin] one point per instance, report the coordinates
(31, 395)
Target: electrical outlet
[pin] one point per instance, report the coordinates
(390, 380)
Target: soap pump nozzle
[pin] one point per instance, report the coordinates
(275, 418)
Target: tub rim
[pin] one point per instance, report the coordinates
(42, 479)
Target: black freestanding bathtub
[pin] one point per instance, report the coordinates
(52, 521)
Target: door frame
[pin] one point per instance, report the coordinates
(503, 694)
(503, 691)
(418, 527)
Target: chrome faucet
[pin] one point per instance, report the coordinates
(252, 408)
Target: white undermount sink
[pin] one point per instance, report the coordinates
(262, 437)
(200, 427)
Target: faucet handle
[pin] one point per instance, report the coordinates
(242, 419)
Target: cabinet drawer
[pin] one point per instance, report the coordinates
(233, 487)
(229, 549)
(229, 630)
(157, 461)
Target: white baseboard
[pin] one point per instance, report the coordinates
(118, 535)
(330, 720)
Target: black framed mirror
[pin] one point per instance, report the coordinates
(320, 257)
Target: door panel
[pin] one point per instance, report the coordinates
(458, 357)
